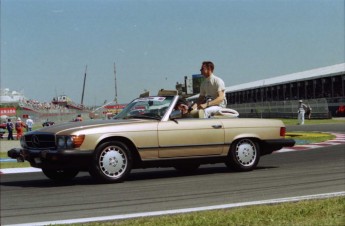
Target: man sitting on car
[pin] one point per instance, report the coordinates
(213, 88)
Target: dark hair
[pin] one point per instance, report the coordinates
(208, 65)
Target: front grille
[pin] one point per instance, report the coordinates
(40, 141)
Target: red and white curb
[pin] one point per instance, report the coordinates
(340, 139)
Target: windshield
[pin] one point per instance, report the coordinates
(146, 107)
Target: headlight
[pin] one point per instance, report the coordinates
(61, 142)
(69, 142)
(73, 141)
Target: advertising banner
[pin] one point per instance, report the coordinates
(9, 111)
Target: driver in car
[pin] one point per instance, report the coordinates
(183, 106)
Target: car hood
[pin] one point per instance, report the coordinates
(70, 127)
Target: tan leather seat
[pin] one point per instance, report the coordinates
(197, 113)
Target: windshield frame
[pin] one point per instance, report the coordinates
(124, 113)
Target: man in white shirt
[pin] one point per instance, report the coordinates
(29, 123)
(301, 111)
(212, 91)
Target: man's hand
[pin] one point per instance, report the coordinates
(202, 106)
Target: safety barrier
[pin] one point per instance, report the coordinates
(282, 109)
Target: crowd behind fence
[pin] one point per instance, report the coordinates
(44, 107)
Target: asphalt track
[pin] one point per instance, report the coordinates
(30, 197)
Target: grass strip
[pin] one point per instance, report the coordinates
(309, 137)
(312, 121)
(6, 165)
(322, 212)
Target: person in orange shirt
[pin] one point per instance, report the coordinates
(19, 128)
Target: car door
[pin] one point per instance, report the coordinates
(190, 137)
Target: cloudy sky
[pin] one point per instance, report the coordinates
(46, 44)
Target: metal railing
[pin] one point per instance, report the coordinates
(282, 109)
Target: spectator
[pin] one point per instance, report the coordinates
(9, 126)
(29, 123)
(308, 111)
(79, 118)
(341, 110)
(19, 128)
(301, 111)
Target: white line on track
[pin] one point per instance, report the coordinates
(20, 170)
(187, 210)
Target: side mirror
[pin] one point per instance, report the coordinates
(175, 114)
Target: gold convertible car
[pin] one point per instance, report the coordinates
(149, 132)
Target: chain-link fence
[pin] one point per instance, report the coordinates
(281, 109)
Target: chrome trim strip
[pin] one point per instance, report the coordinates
(192, 145)
(183, 146)
(185, 157)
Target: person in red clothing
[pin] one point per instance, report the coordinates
(79, 118)
(19, 128)
(341, 111)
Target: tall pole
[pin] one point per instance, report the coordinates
(82, 95)
(115, 84)
(262, 97)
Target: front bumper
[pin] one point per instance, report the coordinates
(52, 159)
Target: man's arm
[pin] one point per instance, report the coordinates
(304, 107)
(201, 98)
(214, 102)
(218, 100)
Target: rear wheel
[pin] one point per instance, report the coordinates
(112, 162)
(244, 155)
(60, 175)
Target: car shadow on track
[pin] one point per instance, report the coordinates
(136, 175)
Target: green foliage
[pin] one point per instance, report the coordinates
(5, 165)
(312, 121)
(309, 137)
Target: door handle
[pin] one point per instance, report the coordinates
(217, 126)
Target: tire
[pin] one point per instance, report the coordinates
(187, 168)
(111, 163)
(60, 175)
(244, 155)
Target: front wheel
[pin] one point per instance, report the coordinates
(112, 162)
(244, 155)
(60, 175)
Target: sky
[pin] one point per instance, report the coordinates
(46, 44)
